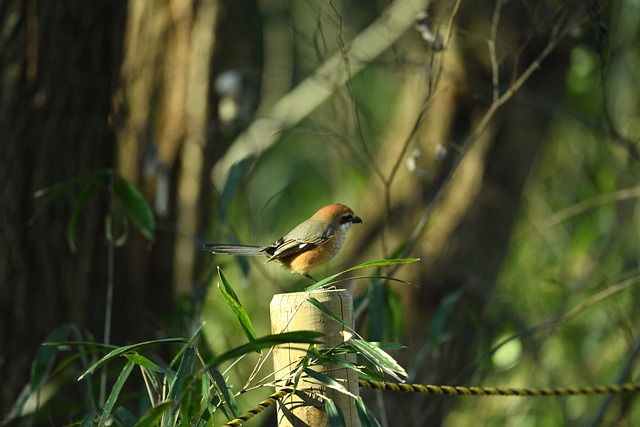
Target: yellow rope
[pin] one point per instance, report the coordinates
(261, 407)
(498, 391)
(445, 390)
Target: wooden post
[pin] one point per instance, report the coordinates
(292, 312)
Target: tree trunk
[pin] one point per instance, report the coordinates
(61, 62)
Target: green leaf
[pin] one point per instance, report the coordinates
(226, 392)
(125, 417)
(379, 358)
(268, 341)
(41, 368)
(152, 417)
(142, 361)
(135, 205)
(231, 298)
(328, 381)
(184, 372)
(89, 419)
(55, 191)
(366, 417)
(383, 262)
(334, 413)
(115, 392)
(121, 351)
(80, 203)
(317, 304)
(377, 311)
(237, 173)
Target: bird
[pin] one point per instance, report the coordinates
(308, 246)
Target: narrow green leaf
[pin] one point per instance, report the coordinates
(184, 372)
(125, 417)
(317, 304)
(152, 417)
(207, 398)
(115, 392)
(334, 413)
(439, 319)
(268, 341)
(45, 356)
(379, 358)
(383, 262)
(236, 175)
(232, 300)
(377, 311)
(55, 191)
(144, 362)
(366, 417)
(89, 419)
(135, 205)
(82, 200)
(120, 351)
(227, 394)
(328, 381)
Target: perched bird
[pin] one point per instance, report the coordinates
(308, 246)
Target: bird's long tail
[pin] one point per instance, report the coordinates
(238, 250)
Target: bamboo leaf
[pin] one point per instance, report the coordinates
(135, 205)
(268, 341)
(115, 392)
(143, 362)
(366, 417)
(80, 203)
(379, 358)
(317, 304)
(183, 373)
(225, 391)
(232, 300)
(328, 381)
(383, 262)
(334, 413)
(152, 417)
(120, 351)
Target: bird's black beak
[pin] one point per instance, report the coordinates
(356, 220)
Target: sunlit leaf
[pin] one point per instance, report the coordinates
(383, 262)
(328, 381)
(232, 300)
(317, 304)
(268, 341)
(379, 358)
(142, 361)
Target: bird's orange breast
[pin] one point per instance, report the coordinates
(305, 262)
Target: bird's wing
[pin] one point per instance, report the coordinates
(285, 247)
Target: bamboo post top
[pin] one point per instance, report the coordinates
(291, 312)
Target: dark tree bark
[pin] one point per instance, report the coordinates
(60, 64)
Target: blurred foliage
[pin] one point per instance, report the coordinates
(576, 238)
(563, 310)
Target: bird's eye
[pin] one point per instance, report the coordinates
(346, 218)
